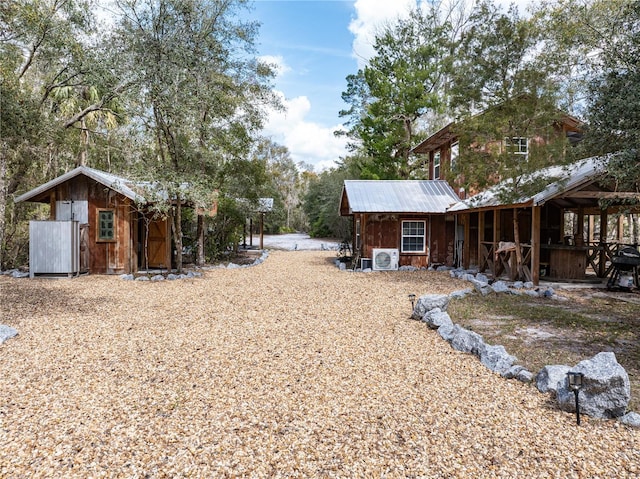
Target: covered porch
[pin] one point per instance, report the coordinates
(570, 231)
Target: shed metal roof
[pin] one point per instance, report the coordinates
(115, 182)
(398, 196)
(567, 178)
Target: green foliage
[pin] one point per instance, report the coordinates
(224, 230)
(400, 86)
(321, 205)
(197, 92)
(505, 73)
(614, 100)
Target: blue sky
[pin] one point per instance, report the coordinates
(313, 39)
(316, 44)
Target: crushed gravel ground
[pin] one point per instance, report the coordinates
(287, 369)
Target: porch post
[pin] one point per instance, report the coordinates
(604, 224)
(261, 230)
(579, 239)
(480, 235)
(620, 228)
(466, 261)
(535, 244)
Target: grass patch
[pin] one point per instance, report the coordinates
(543, 331)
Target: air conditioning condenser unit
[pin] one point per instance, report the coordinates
(385, 259)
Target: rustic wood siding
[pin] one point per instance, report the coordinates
(111, 257)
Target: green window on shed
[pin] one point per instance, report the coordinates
(106, 225)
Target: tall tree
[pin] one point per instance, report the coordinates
(43, 47)
(613, 111)
(201, 91)
(401, 85)
(506, 93)
(320, 204)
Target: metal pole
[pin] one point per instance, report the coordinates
(577, 407)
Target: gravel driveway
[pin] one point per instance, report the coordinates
(287, 369)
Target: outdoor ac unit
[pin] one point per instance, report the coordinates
(385, 259)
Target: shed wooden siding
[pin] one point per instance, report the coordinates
(114, 257)
(385, 231)
(111, 257)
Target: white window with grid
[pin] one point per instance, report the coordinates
(436, 165)
(413, 236)
(517, 145)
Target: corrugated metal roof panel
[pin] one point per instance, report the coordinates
(399, 196)
(110, 180)
(567, 178)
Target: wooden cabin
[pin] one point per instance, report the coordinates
(97, 224)
(442, 149)
(403, 221)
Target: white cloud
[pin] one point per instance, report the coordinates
(371, 15)
(307, 141)
(278, 64)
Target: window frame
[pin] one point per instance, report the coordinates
(423, 236)
(437, 164)
(455, 154)
(510, 142)
(100, 238)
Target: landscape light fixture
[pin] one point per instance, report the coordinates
(412, 298)
(575, 384)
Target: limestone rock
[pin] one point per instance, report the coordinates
(550, 378)
(631, 419)
(461, 293)
(466, 341)
(606, 389)
(500, 287)
(496, 358)
(428, 302)
(447, 331)
(7, 332)
(436, 318)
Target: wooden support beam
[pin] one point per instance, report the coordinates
(261, 230)
(604, 221)
(466, 221)
(480, 235)
(620, 232)
(601, 194)
(579, 238)
(536, 213)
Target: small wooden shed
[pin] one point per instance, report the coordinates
(406, 220)
(97, 224)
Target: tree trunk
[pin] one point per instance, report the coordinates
(147, 223)
(177, 232)
(200, 235)
(3, 202)
(84, 147)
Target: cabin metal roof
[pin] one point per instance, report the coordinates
(115, 182)
(567, 178)
(398, 196)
